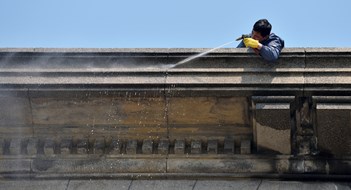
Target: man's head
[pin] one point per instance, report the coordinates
(261, 30)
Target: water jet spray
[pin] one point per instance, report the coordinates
(199, 55)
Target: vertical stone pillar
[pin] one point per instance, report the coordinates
(303, 133)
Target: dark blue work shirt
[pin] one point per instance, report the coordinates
(271, 47)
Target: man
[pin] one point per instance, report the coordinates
(263, 42)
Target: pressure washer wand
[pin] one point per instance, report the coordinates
(243, 36)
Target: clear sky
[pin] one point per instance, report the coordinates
(169, 23)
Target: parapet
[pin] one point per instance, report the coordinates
(228, 71)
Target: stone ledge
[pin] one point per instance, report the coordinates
(223, 70)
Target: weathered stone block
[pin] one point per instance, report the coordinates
(245, 147)
(49, 147)
(15, 165)
(304, 145)
(71, 110)
(163, 147)
(32, 146)
(66, 146)
(204, 131)
(224, 165)
(229, 146)
(334, 128)
(15, 147)
(196, 147)
(17, 110)
(115, 147)
(99, 146)
(131, 147)
(83, 146)
(179, 147)
(147, 146)
(212, 147)
(82, 166)
(208, 110)
(273, 135)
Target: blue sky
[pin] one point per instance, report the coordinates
(169, 24)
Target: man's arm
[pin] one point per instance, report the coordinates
(270, 52)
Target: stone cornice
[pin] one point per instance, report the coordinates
(230, 71)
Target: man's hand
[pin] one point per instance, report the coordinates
(250, 42)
